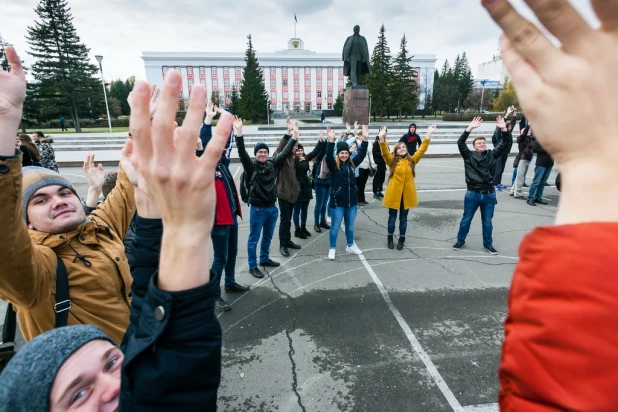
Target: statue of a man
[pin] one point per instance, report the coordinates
(356, 57)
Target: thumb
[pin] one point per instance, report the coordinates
(100, 167)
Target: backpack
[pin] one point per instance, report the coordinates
(245, 186)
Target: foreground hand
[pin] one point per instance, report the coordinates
(125, 161)
(365, 137)
(288, 124)
(296, 131)
(331, 135)
(94, 175)
(321, 136)
(12, 96)
(430, 130)
(476, 122)
(211, 112)
(237, 126)
(501, 123)
(382, 133)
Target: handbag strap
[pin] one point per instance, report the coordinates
(61, 308)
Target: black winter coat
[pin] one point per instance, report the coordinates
(480, 166)
(302, 168)
(524, 143)
(543, 158)
(173, 363)
(377, 154)
(316, 169)
(343, 182)
(264, 187)
(412, 141)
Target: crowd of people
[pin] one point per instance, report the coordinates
(142, 332)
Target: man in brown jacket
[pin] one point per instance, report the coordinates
(42, 219)
(288, 190)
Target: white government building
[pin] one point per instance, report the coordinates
(299, 81)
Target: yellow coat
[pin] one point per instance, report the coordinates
(402, 181)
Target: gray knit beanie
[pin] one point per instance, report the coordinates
(26, 381)
(35, 178)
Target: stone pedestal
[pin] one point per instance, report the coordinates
(356, 105)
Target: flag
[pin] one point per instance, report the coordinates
(295, 19)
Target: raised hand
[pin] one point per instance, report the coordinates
(296, 131)
(237, 123)
(12, 96)
(430, 130)
(211, 112)
(382, 133)
(365, 137)
(347, 126)
(331, 135)
(125, 161)
(355, 126)
(94, 175)
(154, 94)
(476, 122)
(288, 124)
(321, 136)
(501, 123)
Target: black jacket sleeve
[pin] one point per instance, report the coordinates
(461, 144)
(504, 144)
(495, 138)
(330, 156)
(280, 158)
(360, 153)
(316, 150)
(245, 159)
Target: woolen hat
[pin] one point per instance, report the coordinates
(341, 146)
(260, 146)
(300, 146)
(35, 178)
(26, 381)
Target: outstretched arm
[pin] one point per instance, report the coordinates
(424, 145)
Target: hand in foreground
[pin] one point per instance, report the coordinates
(181, 184)
(365, 137)
(288, 124)
(296, 131)
(237, 126)
(382, 133)
(430, 130)
(331, 135)
(94, 175)
(211, 112)
(579, 76)
(321, 136)
(12, 96)
(476, 122)
(501, 123)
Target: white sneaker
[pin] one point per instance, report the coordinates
(353, 249)
(328, 219)
(331, 254)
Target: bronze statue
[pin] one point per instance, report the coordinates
(356, 57)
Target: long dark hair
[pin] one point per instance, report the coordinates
(397, 158)
(27, 141)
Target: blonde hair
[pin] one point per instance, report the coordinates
(397, 158)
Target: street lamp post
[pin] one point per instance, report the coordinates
(109, 119)
(482, 93)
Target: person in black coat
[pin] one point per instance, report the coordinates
(411, 139)
(380, 176)
(299, 215)
(542, 170)
(171, 353)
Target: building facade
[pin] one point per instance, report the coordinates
(298, 81)
(492, 72)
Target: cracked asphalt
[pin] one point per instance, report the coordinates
(320, 335)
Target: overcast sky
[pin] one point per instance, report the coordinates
(121, 30)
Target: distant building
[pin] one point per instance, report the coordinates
(298, 81)
(492, 72)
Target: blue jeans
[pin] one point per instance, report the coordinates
(472, 201)
(321, 199)
(225, 246)
(541, 174)
(262, 220)
(514, 176)
(403, 220)
(300, 210)
(347, 214)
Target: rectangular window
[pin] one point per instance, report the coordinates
(225, 70)
(330, 94)
(215, 83)
(296, 95)
(307, 70)
(318, 70)
(284, 70)
(341, 70)
(177, 68)
(296, 83)
(226, 82)
(319, 106)
(237, 83)
(330, 106)
(190, 83)
(285, 95)
(330, 82)
(237, 70)
(285, 83)
(273, 83)
(319, 83)
(203, 82)
(202, 71)
(273, 70)
(213, 70)
(189, 70)
(307, 95)
(330, 70)
(165, 69)
(228, 95)
(319, 95)
(273, 95)
(307, 83)
(295, 70)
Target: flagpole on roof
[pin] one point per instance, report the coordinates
(295, 21)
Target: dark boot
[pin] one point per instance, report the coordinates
(324, 225)
(297, 232)
(390, 241)
(305, 231)
(402, 240)
(316, 227)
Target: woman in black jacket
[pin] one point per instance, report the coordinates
(299, 216)
(343, 200)
(31, 155)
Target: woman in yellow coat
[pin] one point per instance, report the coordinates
(401, 190)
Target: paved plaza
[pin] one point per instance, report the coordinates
(412, 330)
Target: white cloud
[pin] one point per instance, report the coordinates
(121, 30)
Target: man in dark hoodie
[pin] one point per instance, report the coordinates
(380, 176)
(224, 233)
(261, 173)
(411, 139)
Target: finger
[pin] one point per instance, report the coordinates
(100, 167)
(139, 121)
(525, 78)
(607, 12)
(216, 145)
(14, 62)
(564, 22)
(526, 38)
(163, 121)
(193, 120)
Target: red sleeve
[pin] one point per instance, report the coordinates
(560, 350)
